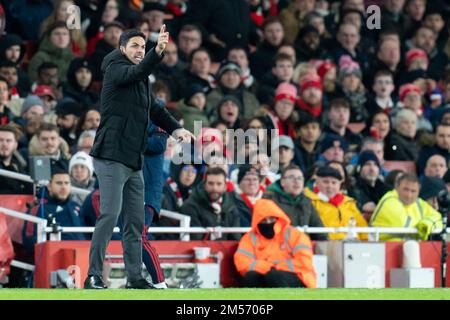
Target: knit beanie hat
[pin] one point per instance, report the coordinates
(414, 54)
(31, 100)
(83, 159)
(408, 88)
(310, 81)
(366, 156)
(348, 67)
(287, 91)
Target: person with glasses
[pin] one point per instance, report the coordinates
(248, 191)
(288, 194)
(334, 208)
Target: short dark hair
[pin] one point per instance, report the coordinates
(194, 52)
(383, 73)
(442, 124)
(290, 167)
(8, 64)
(306, 118)
(339, 102)
(56, 25)
(269, 21)
(410, 177)
(47, 127)
(128, 34)
(46, 65)
(215, 171)
(281, 57)
(189, 28)
(8, 128)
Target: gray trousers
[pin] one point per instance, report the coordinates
(121, 192)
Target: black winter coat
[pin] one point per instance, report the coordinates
(126, 104)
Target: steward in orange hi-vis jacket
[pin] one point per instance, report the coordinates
(273, 253)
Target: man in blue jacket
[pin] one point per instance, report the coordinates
(55, 206)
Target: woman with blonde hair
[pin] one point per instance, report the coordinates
(61, 13)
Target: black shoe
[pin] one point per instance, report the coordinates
(139, 284)
(94, 282)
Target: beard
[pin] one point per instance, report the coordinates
(214, 196)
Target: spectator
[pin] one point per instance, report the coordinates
(379, 126)
(56, 207)
(45, 93)
(434, 18)
(333, 148)
(308, 45)
(239, 55)
(6, 115)
(383, 87)
(86, 141)
(13, 49)
(32, 112)
(263, 262)
(282, 115)
(229, 78)
(228, 111)
(411, 98)
(261, 60)
(334, 208)
(369, 187)
(107, 44)
(247, 194)
(48, 75)
(288, 194)
(311, 94)
(211, 206)
(339, 118)
(9, 71)
(401, 145)
(282, 71)
(388, 56)
(441, 147)
(425, 39)
(393, 17)
(352, 88)
(170, 71)
(198, 71)
(285, 152)
(68, 113)
(223, 23)
(403, 208)
(61, 14)
(377, 147)
(348, 38)
(189, 39)
(89, 120)
(306, 145)
(11, 160)
(436, 166)
(446, 180)
(47, 142)
(81, 171)
(293, 18)
(179, 186)
(55, 48)
(153, 13)
(430, 187)
(79, 83)
(193, 107)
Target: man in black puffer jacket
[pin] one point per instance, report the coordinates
(121, 139)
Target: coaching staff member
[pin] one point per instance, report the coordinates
(126, 106)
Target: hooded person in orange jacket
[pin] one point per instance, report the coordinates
(273, 253)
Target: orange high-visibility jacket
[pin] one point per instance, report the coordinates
(289, 250)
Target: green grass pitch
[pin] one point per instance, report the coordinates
(227, 294)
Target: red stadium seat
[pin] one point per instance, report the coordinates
(407, 166)
(6, 248)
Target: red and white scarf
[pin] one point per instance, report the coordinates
(250, 201)
(174, 186)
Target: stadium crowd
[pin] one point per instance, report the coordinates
(348, 100)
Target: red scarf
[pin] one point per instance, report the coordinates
(336, 201)
(176, 10)
(174, 186)
(315, 111)
(285, 128)
(247, 200)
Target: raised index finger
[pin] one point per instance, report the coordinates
(163, 29)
